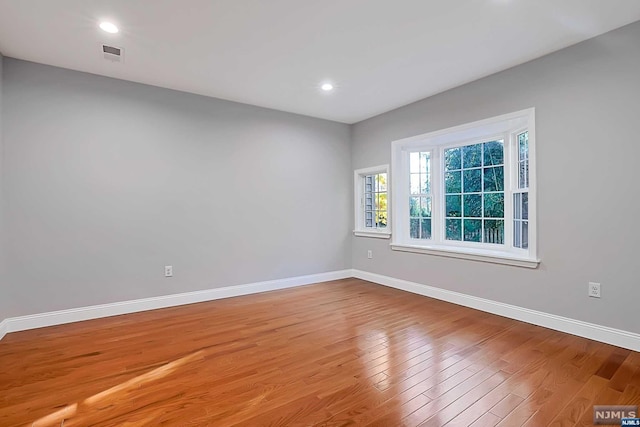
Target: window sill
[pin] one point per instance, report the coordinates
(495, 257)
(374, 234)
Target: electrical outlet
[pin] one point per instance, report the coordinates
(369, 254)
(168, 271)
(594, 290)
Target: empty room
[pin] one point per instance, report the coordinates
(319, 213)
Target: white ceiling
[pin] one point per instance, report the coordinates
(381, 54)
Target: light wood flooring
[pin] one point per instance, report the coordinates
(339, 353)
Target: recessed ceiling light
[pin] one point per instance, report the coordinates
(109, 27)
(327, 87)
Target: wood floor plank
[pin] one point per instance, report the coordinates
(582, 402)
(506, 405)
(630, 395)
(608, 396)
(613, 362)
(624, 374)
(511, 385)
(463, 402)
(487, 420)
(340, 353)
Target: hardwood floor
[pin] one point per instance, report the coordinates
(334, 354)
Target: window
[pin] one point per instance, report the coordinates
(521, 195)
(420, 199)
(468, 191)
(474, 192)
(371, 202)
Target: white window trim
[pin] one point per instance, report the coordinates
(358, 190)
(502, 125)
(495, 257)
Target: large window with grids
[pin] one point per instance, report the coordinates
(474, 192)
(468, 191)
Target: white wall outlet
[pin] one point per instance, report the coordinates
(168, 271)
(369, 254)
(594, 290)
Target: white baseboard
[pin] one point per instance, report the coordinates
(4, 328)
(592, 331)
(22, 323)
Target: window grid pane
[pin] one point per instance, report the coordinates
(523, 159)
(521, 220)
(375, 201)
(420, 195)
(474, 193)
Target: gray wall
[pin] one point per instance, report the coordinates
(586, 99)
(108, 181)
(4, 303)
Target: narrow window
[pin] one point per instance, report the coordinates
(375, 200)
(371, 204)
(420, 195)
(521, 194)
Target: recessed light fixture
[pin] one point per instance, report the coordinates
(109, 27)
(327, 87)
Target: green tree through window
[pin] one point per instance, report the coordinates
(375, 200)
(474, 192)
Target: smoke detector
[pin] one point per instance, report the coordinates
(112, 53)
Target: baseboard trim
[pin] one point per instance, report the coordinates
(4, 328)
(592, 331)
(22, 323)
